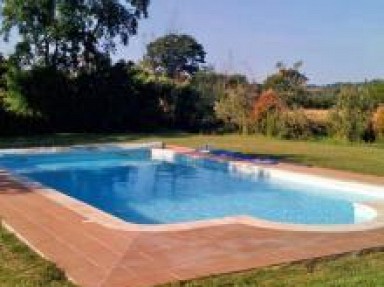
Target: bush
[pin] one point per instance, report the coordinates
(234, 108)
(268, 101)
(378, 121)
(115, 98)
(267, 113)
(350, 119)
(271, 124)
(296, 125)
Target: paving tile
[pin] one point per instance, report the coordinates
(126, 277)
(87, 277)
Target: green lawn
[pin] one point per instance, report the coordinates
(361, 158)
(21, 267)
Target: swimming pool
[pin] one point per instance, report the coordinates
(149, 186)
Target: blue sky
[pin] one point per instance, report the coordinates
(338, 40)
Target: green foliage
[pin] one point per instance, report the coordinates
(209, 83)
(90, 101)
(350, 119)
(3, 72)
(272, 118)
(35, 92)
(117, 98)
(175, 54)
(318, 98)
(212, 87)
(235, 107)
(69, 34)
(296, 126)
(376, 89)
(270, 124)
(287, 125)
(14, 99)
(288, 82)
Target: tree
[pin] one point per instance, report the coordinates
(175, 54)
(3, 71)
(69, 34)
(114, 99)
(288, 82)
(268, 101)
(235, 107)
(351, 118)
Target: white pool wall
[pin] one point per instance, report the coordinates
(163, 154)
(364, 213)
(363, 189)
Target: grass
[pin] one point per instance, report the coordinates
(360, 158)
(21, 267)
(346, 271)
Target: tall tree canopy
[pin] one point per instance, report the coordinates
(288, 82)
(175, 54)
(69, 34)
(3, 70)
(235, 106)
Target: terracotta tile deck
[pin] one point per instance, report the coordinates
(94, 255)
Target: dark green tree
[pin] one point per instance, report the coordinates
(213, 88)
(175, 54)
(3, 71)
(69, 34)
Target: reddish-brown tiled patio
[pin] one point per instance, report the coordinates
(95, 255)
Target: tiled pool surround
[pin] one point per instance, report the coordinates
(346, 238)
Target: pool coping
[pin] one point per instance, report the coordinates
(95, 215)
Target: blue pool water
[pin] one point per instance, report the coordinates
(133, 187)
